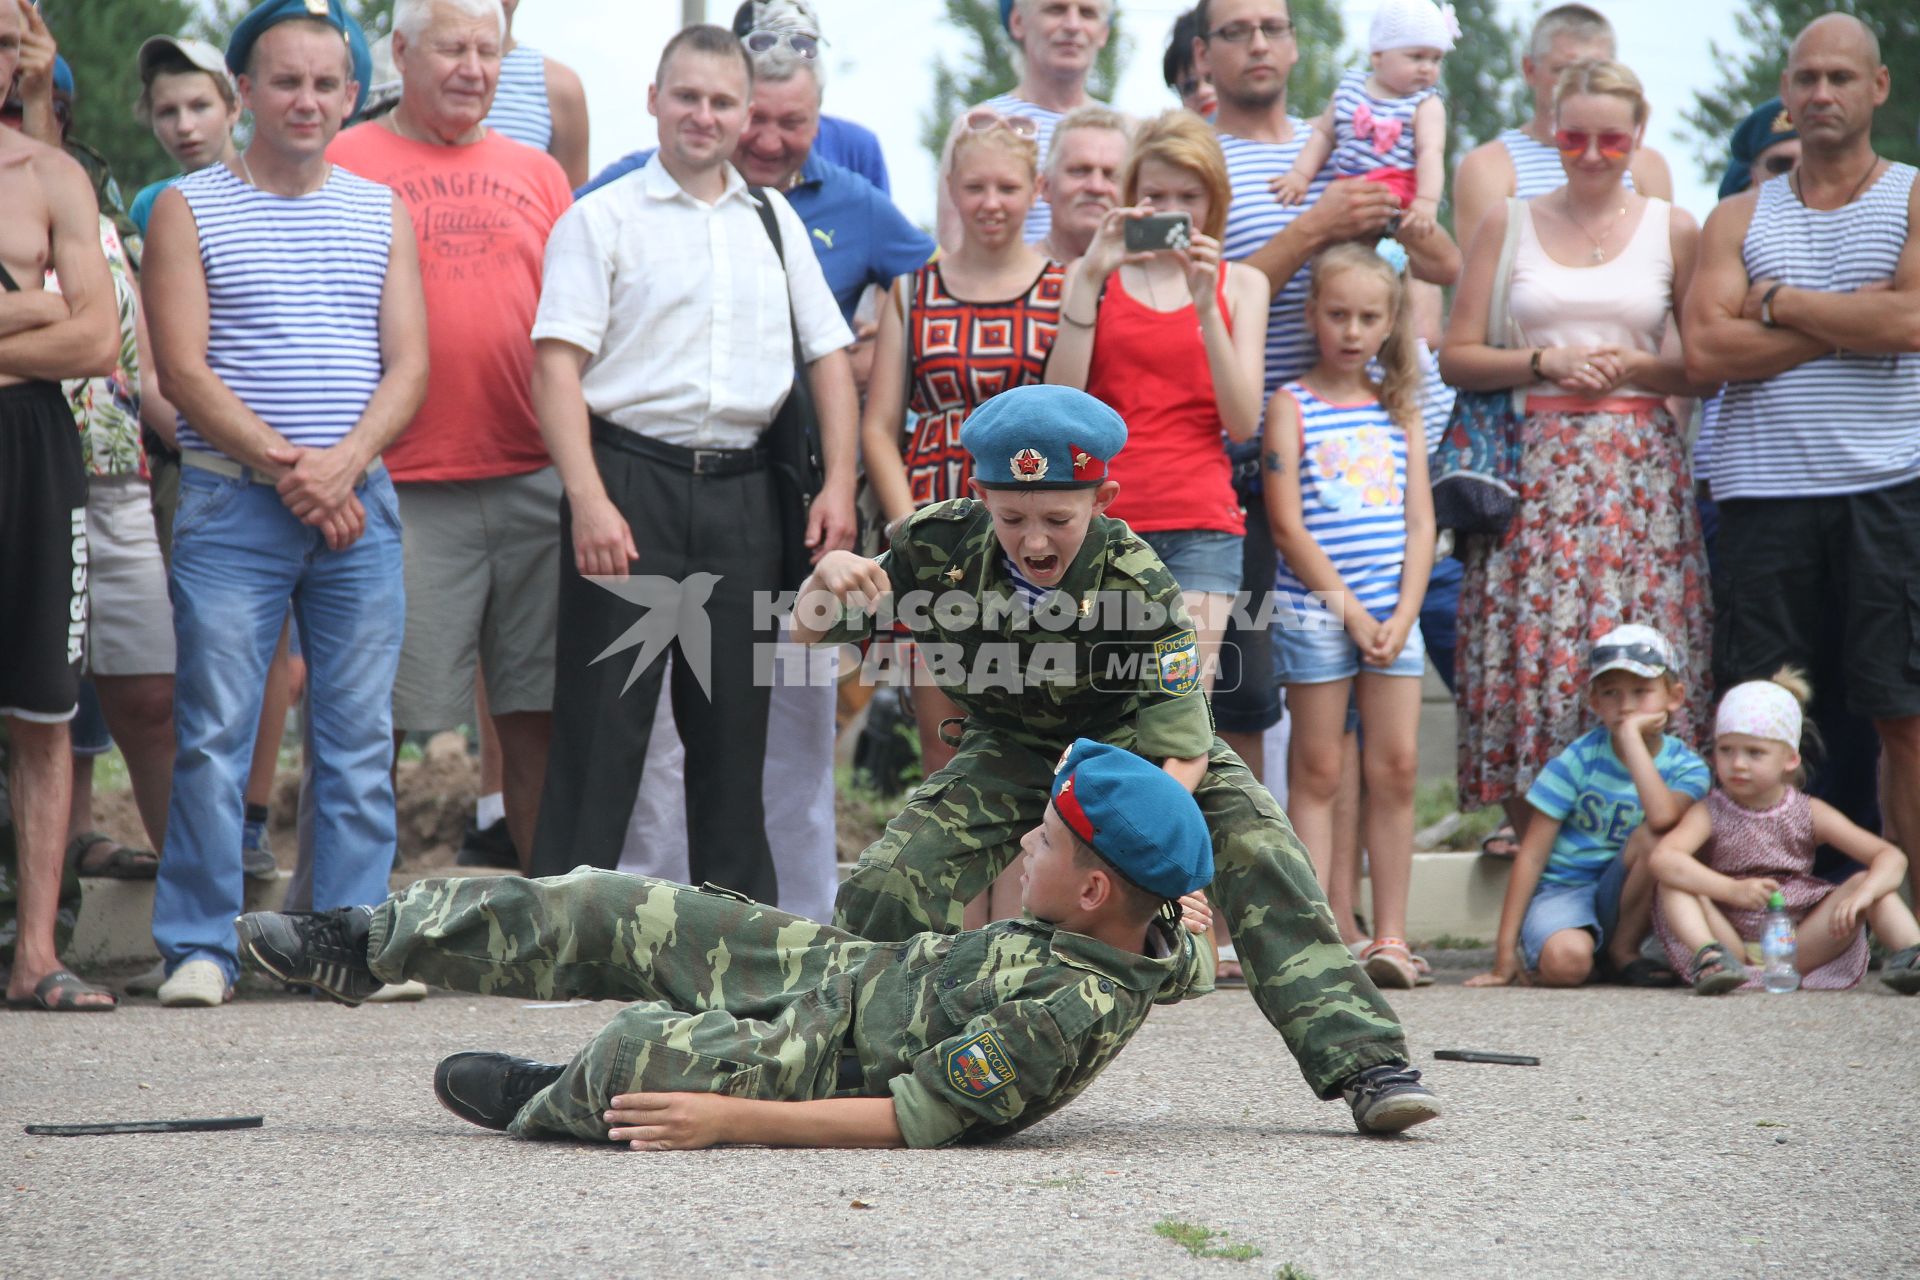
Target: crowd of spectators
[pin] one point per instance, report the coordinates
(395, 415)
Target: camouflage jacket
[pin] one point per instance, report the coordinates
(1109, 654)
(980, 1034)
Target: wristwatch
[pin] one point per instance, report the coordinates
(1766, 305)
(1534, 364)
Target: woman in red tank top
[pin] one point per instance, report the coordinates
(1174, 342)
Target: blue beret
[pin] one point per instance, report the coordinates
(1767, 124)
(62, 76)
(271, 12)
(1006, 15)
(1136, 816)
(1041, 437)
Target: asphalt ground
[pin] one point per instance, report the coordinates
(1663, 1135)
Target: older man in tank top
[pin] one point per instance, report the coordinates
(289, 330)
(1807, 304)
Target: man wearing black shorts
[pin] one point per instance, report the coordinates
(1805, 305)
(47, 215)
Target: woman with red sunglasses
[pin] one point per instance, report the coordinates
(1605, 531)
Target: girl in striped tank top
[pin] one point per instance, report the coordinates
(1345, 462)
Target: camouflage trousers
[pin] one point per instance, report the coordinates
(732, 997)
(963, 827)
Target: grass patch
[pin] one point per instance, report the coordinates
(1204, 1242)
(1288, 1271)
(1435, 801)
(1453, 942)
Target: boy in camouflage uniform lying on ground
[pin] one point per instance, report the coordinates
(755, 1026)
(1045, 621)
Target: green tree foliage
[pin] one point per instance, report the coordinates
(991, 65)
(99, 38)
(1750, 75)
(1481, 77)
(1321, 36)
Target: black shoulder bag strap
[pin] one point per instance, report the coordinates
(793, 438)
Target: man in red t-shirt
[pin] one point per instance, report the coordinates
(479, 499)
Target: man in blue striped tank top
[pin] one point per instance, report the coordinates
(1249, 48)
(1807, 304)
(290, 332)
(1523, 162)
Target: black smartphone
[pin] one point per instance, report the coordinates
(1477, 1055)
(1159, 231)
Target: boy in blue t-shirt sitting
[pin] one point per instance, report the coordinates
(1582, 879)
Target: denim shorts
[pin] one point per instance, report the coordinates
(1594, 907)
(1198, 559)
(1321, 655)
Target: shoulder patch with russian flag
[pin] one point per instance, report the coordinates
(980, 1067)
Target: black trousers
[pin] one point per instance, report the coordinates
(709, 544)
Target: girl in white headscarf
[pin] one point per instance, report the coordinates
(1754, 836)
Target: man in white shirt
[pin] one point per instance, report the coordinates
(666, 320)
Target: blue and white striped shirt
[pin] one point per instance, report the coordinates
(1844, 423)
(1254, 218)
(293, 298)
(1353, 499)
(1358, 150)
(520, 108)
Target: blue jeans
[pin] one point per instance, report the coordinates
(239, 558)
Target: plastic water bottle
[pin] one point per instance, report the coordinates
(1778, 950)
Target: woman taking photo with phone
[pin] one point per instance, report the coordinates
(1173, 340)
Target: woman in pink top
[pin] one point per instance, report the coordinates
(1605, 532)
(1174, 342)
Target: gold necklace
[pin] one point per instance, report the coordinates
(1599, 245)
(247, 172)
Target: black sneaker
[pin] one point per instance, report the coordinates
(488, 1089)
(489, 846)
(1902, 971)
(326, 950)
(1389, 1098)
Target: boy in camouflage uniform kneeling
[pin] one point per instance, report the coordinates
(1045, 621)
(752, 1025)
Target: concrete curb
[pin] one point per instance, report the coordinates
(1455, 894)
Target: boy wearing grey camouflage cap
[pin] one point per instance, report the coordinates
(743, 1028)
(1045, 621)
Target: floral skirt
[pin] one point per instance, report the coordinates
(1605, 534)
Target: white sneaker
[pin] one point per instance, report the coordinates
(196, 984)
(397, 992)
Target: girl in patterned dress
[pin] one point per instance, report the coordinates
(961, 330)
(1388, 125)
(1346, 491)
(1758, 832)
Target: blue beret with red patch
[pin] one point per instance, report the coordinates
(1042, 437)
(1136, 816)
